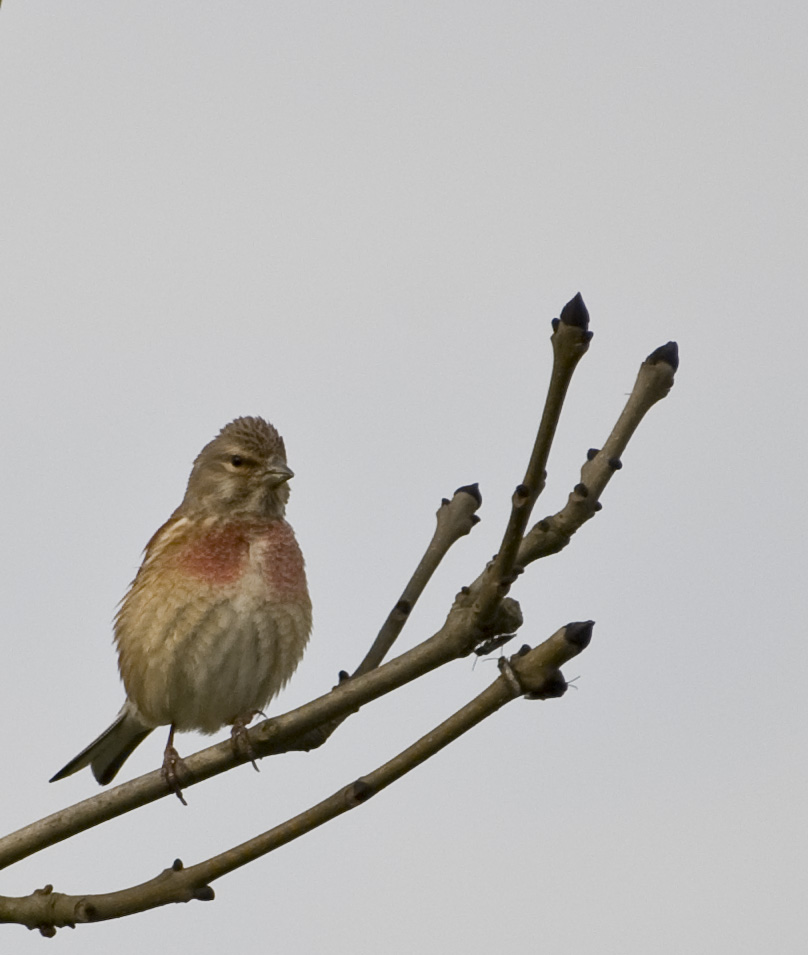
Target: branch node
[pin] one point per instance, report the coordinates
(507, 617)
(521, 494)
(553, 686)
(85, 911)
(403, 607)
(511, 678)
(358, 792)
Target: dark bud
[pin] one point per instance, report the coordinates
(361, 791)
(404, 607)
(592, 453)
(343, 675)
(543, 525)
(522, 491)
(177, 865)
(554, 323)
(615, 464)
(579, 634)
(464, 590)
(524, 649)
(598, 506)
(444, 501)
(581, 490)
(473, 490)
(474, 519)
(47, 931)
(554, 686)
(668, 353)
(204, 893)
(588, 336)
(575, 313)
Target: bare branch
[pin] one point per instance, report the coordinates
(456, 638)
(532, 673)
(462, 631)
(570, 341)
(455, 519)
(550, 535)
(480, 615)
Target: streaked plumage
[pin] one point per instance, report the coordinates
(219, 615)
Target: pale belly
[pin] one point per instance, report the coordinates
(233, 662)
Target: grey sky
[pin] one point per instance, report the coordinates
(357, 219)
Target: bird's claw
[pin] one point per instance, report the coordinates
(240, 738)
(172, 761)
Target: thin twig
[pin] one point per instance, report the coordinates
(455, 519)
(570, 341)
(550, 535)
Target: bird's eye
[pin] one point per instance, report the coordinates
(237, 460)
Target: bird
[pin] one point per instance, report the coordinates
(219, 614)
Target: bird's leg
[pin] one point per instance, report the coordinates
(241, 738)
(172, 761)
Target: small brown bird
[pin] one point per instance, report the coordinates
(218, 616)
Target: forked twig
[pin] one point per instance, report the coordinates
(550, 535)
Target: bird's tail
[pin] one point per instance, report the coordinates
(114, 746)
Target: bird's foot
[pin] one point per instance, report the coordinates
(241, 738)
(172, 761)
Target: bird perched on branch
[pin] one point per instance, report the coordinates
(218, 616)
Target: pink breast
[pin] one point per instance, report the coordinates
(222, 554)
(281, 560)
(216, 556)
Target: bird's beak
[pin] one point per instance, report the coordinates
(278, 473)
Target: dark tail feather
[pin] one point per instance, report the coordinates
(109, 752)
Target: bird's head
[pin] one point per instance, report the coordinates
(241, 473)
